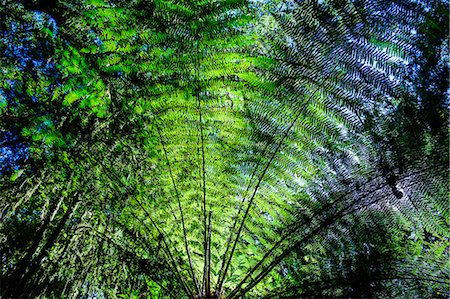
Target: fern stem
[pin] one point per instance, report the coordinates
(232, 230)
(206, 275)
(250, 202)
(166, 246)
(208, 260)
(338, 215)
(135, 256)
(194, 277)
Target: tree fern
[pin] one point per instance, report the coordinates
(190, 149)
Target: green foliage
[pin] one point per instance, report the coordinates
(209, 149)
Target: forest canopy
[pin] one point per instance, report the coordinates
(224, 149)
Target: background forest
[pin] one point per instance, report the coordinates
(224, 149)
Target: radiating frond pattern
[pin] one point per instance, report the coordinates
(190, 149)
